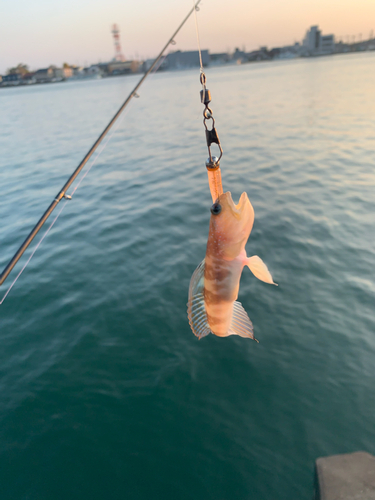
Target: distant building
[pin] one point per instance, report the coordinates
(327, 44)
(51, 74)
(44, 75)
(312, 38)
(28, 78)
(16, 79)
(161, 66)
(219, 58)
(315, 43)
(78, 71)
(12, 79)
(260, 55)
(92, 71)
(287, 52)
(239, 56)
(103, 68)
(58, 73)
(342, 47)
(122, 67)
(67, 72)
(275, 52)
(188, 59)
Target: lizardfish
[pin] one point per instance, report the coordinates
(213, 291)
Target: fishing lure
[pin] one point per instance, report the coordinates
(213, 291)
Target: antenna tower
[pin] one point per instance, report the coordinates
(116, 37)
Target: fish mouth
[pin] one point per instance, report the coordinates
(237, 210)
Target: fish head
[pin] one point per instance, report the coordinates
(231, 224)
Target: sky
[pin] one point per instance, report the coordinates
(43, 32)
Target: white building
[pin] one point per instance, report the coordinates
(186, 59)
(312, 39)
(315, 43)
(327, 44)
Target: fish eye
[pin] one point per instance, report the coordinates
(216, 208)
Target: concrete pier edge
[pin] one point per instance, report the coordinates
(345, 477)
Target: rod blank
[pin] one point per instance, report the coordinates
(69, 182)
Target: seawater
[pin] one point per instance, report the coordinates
(104, 390)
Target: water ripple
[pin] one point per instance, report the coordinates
(102, 381)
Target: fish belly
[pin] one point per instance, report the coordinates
(221, 284)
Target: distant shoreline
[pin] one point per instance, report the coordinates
(212, 65)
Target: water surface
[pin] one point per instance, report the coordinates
(104, 390)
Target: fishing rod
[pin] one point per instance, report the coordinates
(62, 193)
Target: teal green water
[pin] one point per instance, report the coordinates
(104, 390)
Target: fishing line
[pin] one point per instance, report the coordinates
(197, 31)
(33, 252)
(62, 194)
(69, 197)
(99, 152)
(212, 163)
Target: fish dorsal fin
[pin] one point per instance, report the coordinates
(241, 324)
(197, 280)
(196, 310)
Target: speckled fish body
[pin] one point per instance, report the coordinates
(214, 286)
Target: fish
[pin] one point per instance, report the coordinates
(214, 285)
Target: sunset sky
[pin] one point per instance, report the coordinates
(44, 32)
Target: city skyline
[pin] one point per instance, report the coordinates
(79, 32)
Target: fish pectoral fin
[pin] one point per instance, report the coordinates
(241, 324)
(196, 310)
(259, 269)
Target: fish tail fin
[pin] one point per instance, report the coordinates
(241, 324)
(259, 269)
